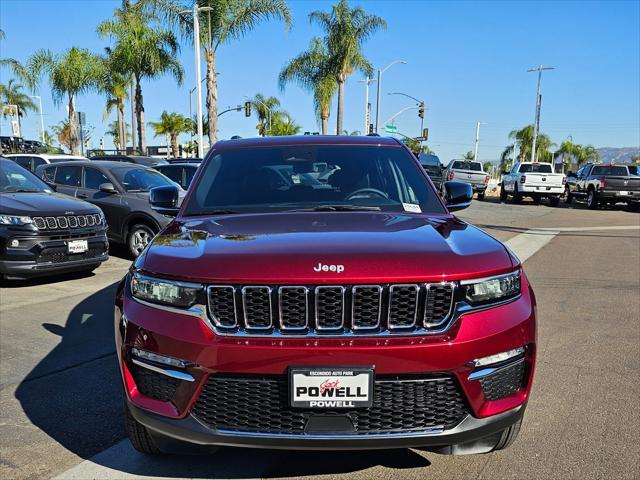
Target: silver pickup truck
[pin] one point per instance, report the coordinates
(469, 172)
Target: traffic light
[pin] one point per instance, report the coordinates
(421, 110)
(247, 109)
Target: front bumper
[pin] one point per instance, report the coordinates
(47, 255)
(471, 336)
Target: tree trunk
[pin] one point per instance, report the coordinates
(133, 115)
(174, 145)
(340, 104)
(324, 117)
(212, 96)
(142, 138)
(122, 132)
(73, 128)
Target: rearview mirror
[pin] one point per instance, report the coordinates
(164, 200)
(457, 195)
(107, 188)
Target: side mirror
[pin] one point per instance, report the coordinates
(457, 195)
(107, 188)
(164, 200)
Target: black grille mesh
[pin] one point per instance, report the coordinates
(439, 298)
(504, 382)
(293, 307)
(257, 307)
(329, 307)
(366, 306)
(260, 405)
(71, 221)
(153, 384)
(222, 305)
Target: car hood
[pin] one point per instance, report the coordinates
(288, 247)
(42, 203)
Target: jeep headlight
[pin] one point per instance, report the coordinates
(492, 289)
(14, 220)
(164, 292)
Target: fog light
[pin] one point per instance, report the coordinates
(15, 243)
(498, 357)
(154, 357)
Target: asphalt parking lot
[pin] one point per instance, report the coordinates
(60, 401)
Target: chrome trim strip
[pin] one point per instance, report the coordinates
(177, 283)
(199, 311)
(432, 431)
(235, 307)
(428, 287)
(306, 307)
(488, 371)
(471, 281)
(353, 304)
(390, 326)
(325, 287)
(169, 373)
(244, 307)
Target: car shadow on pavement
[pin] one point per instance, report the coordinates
(46, 280)
(74, 395)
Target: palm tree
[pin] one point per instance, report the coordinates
(346, 29)
(310, 70)
(524, 138)
(70, 74)
(569, 151)
(585, 154)
(469, 156)
(265, 108)
(113, 130)
(12, 94)
(142, 49)
(114, 85)
(282, 124)
(171, 125)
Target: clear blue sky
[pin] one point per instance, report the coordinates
(466, 59)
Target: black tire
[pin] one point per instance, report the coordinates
(568, 198)
(633, 206)
(517, 197)
(503, 193)
(554, 201)
(138, 238)
(537, 199)
(138, 434)
(508, 436)
(592, 200)
(481, 196)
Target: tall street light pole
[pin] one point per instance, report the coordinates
(380, 72)
(196, 45)
(41, 115)
(475, 152)
(367, 105)
(536, 123)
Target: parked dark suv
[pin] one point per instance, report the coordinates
(43, 232)
(181, 173)
(137, 159)
(356, 314)
(121, 190)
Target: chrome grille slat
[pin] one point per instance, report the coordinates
(438, 303)
(256, 303)
(67, 221)
(62, 222)
(73, 222)
(329, 307)
(403, 306)
(366, 307)
(39, 222)
(51, 223)
(222, 305)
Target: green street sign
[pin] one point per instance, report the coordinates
(391, 129)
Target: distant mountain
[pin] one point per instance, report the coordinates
(620, 155)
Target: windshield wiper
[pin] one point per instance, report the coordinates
(22, 190)
(213, 212)
(337, 208)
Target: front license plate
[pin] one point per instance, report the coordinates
(331, 387)
(77, 246)
(623, 192)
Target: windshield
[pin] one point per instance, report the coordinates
(535, 168)
(14, 178)
(460, 165)
(308, 177)
(610, 170)
(138, 179)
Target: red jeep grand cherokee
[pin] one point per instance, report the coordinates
(316, 293)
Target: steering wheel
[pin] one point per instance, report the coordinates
(375, 191)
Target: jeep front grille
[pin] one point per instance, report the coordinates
(330, 309)
(69, 221)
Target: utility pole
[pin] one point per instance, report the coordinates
(41, 116)
(367, 105)
(475, 153)
(380, 72)
(536, 123)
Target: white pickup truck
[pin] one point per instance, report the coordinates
(535, 180)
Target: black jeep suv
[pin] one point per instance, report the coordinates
(43, 232)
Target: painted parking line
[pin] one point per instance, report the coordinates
(526, 244)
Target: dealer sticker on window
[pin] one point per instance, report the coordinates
(330, 388)
(412, 207)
